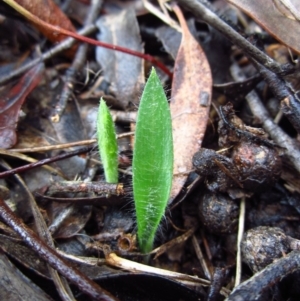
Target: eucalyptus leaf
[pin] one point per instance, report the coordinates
(107, 143)
(152, 161)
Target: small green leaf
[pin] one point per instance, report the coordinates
(152, 161)
(107, 143)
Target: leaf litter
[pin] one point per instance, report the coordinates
(190, 103)
(239, 162)
(124, 73)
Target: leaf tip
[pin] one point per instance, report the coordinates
(107, 143)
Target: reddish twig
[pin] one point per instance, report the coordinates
(65, 32)
(44, 162)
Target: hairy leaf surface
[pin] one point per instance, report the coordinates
(107, 143)
(152, 161)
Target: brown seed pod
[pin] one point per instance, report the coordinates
(218, 213)
(257, 165)
(262, 245)
(218, 170)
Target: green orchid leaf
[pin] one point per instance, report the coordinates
(152, 161)
(107, 143)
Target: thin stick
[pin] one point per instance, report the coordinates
(240, 234)
(201, 257)
(42, 162)
(62, 46)
(62, 145)
(85, 284)
(207, 15)
(28, 159)
(116, 261)
(253, 288)
(61, 284)
(276, 133)
(47, 148)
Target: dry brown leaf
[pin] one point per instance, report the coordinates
(190, 103)
(280, 18)
(49, 12)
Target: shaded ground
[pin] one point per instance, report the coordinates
(245, 173)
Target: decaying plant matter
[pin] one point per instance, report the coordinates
(229, 96)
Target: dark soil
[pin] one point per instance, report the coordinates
(246, 162)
